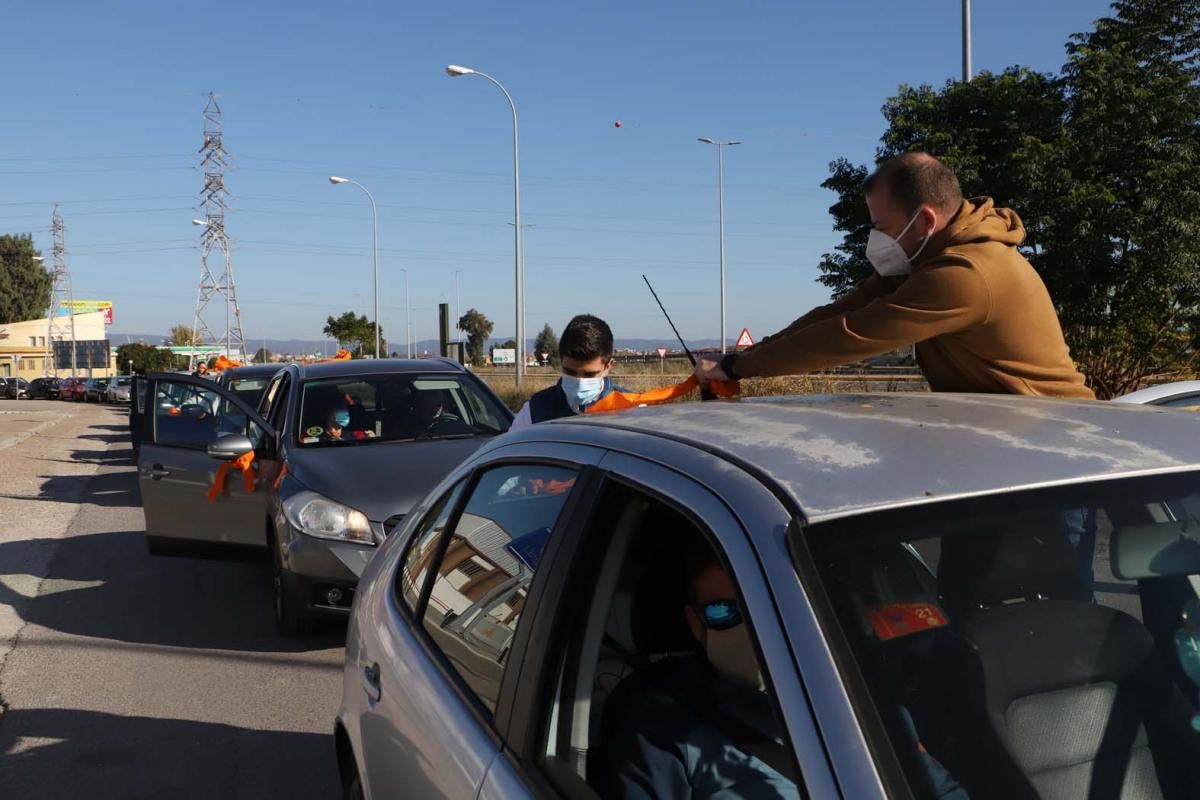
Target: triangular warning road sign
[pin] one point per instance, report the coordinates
(745, 340)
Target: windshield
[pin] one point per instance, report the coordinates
(395, 407)
(1039, 637)
(120, 382)
(249, 389)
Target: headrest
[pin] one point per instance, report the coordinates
(982, 571)
(1155, 550)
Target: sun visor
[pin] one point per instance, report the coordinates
(1156, 550)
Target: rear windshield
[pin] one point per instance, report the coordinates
(396, 407)
(249, 389)
(1013, 645)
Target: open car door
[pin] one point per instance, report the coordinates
(192, 431)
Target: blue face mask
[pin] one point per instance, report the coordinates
(581, 391)
(341, 418)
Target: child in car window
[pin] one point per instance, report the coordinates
(336, 429)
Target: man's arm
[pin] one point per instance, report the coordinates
(934, 301)
(523, 419)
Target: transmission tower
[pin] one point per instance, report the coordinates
(59, 328)
(213, 238)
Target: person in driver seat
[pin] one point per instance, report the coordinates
(698, 725)
(429, 411)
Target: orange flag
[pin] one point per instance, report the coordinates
(341, 355)
(620, 401)
(242, 464)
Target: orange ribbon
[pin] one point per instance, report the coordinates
(242, 464)
(341, 355)
(621, 401)
(224, 363)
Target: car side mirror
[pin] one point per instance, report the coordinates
(230, 447)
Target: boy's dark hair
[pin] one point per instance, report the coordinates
(917, 179)
(698, 558)
(586, 337)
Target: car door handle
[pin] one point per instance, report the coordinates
(371, 684)
(156, 472)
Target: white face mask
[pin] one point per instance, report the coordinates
(732, 655)
(887, 256)
(581, 391)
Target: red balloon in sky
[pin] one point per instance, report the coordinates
(617, 124)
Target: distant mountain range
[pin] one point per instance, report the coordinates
(301, 346)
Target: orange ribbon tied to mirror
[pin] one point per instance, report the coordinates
(244, 464)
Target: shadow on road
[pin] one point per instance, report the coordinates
(106, 586)
(110, 489)
(61, 753)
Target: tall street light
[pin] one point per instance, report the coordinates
(455, 71)
(335, 180)
(408, 345)
(721, 197)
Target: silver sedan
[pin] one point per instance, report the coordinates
(860, 596)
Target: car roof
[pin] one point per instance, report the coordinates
(838, 455)
(373, 366)
(1163, 391)
(253, 370)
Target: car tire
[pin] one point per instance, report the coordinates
(293, 619)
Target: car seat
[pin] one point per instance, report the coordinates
(1054, 696)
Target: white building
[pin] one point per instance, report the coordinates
(23, 346)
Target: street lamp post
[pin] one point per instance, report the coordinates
(721, 198)
(408, 347)
(455, 71)
(335, 180)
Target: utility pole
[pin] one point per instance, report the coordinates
(966, 40)
(213, 200)
(60, 297)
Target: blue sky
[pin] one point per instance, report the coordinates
(103, 114)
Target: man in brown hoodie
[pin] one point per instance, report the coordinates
(949, 280)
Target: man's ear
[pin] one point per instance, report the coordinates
(930, 217)
(694, 624)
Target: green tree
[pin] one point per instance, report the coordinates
(25, 284)
(478, 328)
(547, 342)
(181, 335)
(145, 358)
(262, 356)
(355, 330)
(1102, 162)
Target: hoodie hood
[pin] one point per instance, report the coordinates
(978, 221)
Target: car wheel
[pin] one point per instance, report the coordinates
(292, 617)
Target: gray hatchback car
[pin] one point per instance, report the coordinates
(859, 596)
(332, 459)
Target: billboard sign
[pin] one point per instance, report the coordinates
(88, 307)
(504, 356)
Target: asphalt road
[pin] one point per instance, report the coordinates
(124, 675)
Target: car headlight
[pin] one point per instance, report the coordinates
(319, 516)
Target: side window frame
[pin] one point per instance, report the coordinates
(153, 381)
(578, 505)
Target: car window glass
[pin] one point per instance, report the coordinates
(279, 406)
(195, 415)
(487, 565)
(423, 547)
(266, 404)
(981, 629)
(660, 690)
(1190, 402)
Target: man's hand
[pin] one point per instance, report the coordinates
(709, 369)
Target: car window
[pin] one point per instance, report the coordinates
(194, 416)
(659, 688)
(1006, 641)
(398, 406)
(423, 547)
(485, 568)
(267, 401)
(1190, 402)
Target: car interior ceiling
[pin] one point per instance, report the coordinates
(1033, 689)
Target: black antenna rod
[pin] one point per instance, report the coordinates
(691, 357)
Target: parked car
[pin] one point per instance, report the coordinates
(341, 451)
(249, 383)
(137, 407)
(117, 390)
(95, 389)
(71, 389)
(868, 596)
(15, 388)
(44, 388)
(1181, 394)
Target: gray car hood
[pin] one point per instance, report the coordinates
(380, 479)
